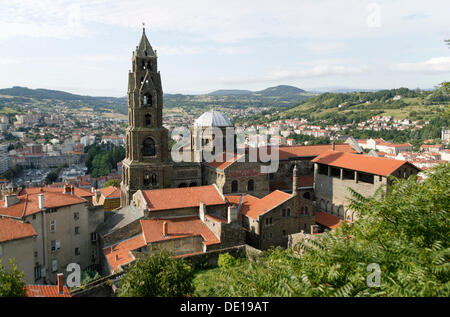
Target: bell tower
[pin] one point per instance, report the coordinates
(147, 164)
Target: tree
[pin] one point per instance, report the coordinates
(402, 232)
(158, 275)
(112, 182)
(12, 282)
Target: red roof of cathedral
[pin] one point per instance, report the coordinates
(363, 163)
(177, 198)
(254, 207)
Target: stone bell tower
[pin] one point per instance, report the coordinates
(147, 164)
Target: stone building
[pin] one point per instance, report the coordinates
(65, 228)
(336, 172)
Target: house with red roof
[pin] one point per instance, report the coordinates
(54, 227)
(108, 197)
(337, 172)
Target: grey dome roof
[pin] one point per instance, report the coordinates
(212, 118)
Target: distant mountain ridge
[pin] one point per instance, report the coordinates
(279, 96)
(277, 91)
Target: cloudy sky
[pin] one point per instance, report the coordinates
(85, 46)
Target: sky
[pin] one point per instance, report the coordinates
(85, 46)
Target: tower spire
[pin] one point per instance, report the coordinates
(144, 49)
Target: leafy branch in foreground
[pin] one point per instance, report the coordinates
(405, 232)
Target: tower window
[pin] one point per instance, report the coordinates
(149, 148)
(154, 179)
(148, 100)
(146, 179)
(148, 120)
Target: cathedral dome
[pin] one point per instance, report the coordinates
(212, 118)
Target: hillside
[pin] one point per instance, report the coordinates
(281, 96)
(351, 107)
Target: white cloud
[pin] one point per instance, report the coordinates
(222, 21)
(319, 70)
(433, 65)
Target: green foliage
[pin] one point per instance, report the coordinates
(88, 276)
(52, 176)
(11, 281)
(404, 231)
(100, 160)
(12, 172)
(158, 275)
(226, 260)
(112, 182)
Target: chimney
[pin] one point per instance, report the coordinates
(165, 228)
(41, 201)
(60, 277)
(232, 213)
(97, 195)
(72, 189)
(10, 200)
(202, 210)
(66, 189)
(294, 180)
(333, 146)
(92, 189)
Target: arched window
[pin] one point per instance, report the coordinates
(154, 179)
(251, 185)
(148, 120)
(148, 100)
(146, 179)
(149, 148)
(234, 186)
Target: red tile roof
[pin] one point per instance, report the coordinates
(80, 192)
(28, 203)
(46, 291)
(177, 198)
(310, 150)
(177, 228)
(363, 163)
(11, 229)
(120, 253)
(221, 161)
(110, 192)
(327, 220)
(254, 207)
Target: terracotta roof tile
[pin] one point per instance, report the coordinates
(120, 253)
(110, 192)
(363, 163)
(176, 198)
(327, 220)
(11, 229)
(177, 228)
(45, 291)
(254, 207)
